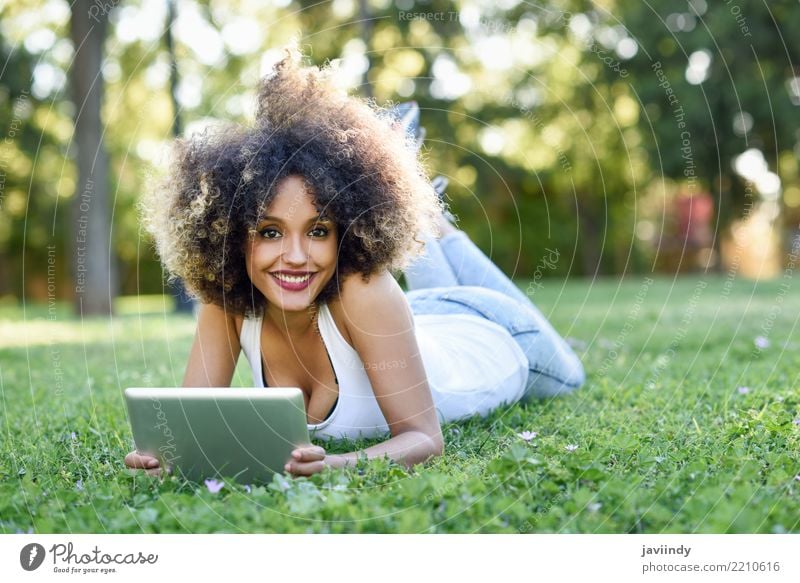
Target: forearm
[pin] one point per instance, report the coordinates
(408, 448)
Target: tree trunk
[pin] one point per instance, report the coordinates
(93, 261)
(183, 303)
(589, 240)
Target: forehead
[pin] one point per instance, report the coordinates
(293, 199)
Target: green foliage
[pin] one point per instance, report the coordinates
(586, 133)
(746, 77)
(664, 443)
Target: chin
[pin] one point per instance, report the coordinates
(297, 303)
(292, 305)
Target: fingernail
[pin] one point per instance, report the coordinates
(286, 467)
(296, 455)
(152, 463)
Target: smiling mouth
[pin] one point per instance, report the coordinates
(293, 282)
(293, 278)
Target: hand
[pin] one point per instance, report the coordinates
(148, 463)
(306, 460)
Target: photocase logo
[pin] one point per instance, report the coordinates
(31, 556)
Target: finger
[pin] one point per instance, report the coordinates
(309, 454)
(148, 461)
(305, 469)
(136, 460)
(146, 471)
(159, 471)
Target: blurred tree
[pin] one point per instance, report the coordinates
(33, 154)
(549, 119)
(16, 108)
(94, 260)
(182, 301)
(715, 80)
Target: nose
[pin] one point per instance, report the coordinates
(295, 250)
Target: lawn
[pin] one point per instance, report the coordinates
(689, 422)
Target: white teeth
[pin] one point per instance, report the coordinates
(292, 278)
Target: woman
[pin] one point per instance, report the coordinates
(288, 232)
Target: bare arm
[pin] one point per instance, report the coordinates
(216, 347)
(212, 362)
(381, 326)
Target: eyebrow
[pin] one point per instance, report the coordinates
(316, 219)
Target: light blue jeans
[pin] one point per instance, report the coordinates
(454, 276)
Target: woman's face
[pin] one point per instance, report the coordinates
(293, 253)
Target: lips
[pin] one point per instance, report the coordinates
(293, 281)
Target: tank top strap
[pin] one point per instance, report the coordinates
(250, 341)
(340, 352)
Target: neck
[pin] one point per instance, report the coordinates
(291, 324)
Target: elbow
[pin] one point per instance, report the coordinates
(429, 447)
(436, 447)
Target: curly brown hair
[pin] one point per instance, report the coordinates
(361, 172)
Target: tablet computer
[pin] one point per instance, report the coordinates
(246, 434)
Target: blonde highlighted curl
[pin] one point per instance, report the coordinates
(362, 173)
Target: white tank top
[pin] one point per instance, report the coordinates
(473, 366)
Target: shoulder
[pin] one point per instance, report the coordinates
(355, 287)
(374, 305)
(379, 290)
(213, 315)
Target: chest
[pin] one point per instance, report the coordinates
(304, 363)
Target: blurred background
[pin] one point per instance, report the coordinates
(581, 139)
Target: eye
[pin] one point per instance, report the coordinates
(267, 232)
(322, 230)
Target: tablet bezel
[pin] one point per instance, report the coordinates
(246, 434)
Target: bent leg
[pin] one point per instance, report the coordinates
(553, 367)
(472, 267)
(431, 269)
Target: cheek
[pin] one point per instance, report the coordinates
(254, 257)
(329, 252)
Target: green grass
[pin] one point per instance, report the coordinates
(666, 441)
